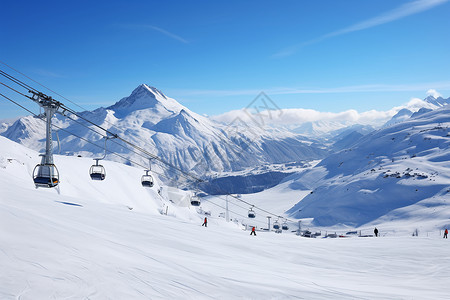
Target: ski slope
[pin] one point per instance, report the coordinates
(108, 240)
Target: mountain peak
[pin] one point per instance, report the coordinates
(143, 89)
(146, 97)
(437, 100)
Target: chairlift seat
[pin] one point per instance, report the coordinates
(147, 183)
(46, 181)
(98, 176)
(251, 214)
(285, 227)
(45, 175)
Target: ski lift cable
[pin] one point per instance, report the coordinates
(73, 134)
(246, 208)
(112, 140)
(112, 152)
(68, 109)
(16, 81)
(153, 156)
(56, 93)
(142, 150)
(40, 84)
(235, 197)
(235, 213)
(211, 199)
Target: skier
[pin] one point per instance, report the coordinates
(205, 222)
(253, 231)
(445, 233)
(376, 232)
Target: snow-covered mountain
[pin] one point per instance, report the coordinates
(391, 173)
(320, 128)
(179, 136)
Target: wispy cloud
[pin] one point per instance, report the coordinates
(155, 28)
(293, 117)
(400, 12)
(47, 73)
(367, 88)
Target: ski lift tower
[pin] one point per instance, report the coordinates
(46, 173)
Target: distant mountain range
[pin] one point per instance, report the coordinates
(392, 172)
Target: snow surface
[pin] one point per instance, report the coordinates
(108, 240)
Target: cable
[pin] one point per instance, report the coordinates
(64, 107)
(153, 156)
(40, 84)
(81, 138)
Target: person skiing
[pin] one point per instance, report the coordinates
(376, 232)
(253, 231)
(445, 233)
(205, 222)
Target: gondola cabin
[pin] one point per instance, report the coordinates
(195, 201)
(147, 180)
(46, 175)
(276, 225)
(97, 172)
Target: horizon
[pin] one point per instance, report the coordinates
(365, 56)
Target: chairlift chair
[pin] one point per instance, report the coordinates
(45, 175)
(147, 180)
(195, 200)
(285, 226)
(276, 225)
(97, 172)
(251, 213)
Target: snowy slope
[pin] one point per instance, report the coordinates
(398, 172)
(84, 242)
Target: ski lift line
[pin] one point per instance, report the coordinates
(16, 81)
(29, 87)
(115, 142)
(21, 106)
(238, 214)
(145, 157)
(235, 213)
(13, 89)
(64, 107)
(73, 134)
(40, 85)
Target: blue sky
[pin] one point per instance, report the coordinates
(216, 56)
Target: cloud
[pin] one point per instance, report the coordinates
(294, 117)
(157, 29)
(297, 116)
(434, 93)
(47, 73)
(400, 12)
(367, 88)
